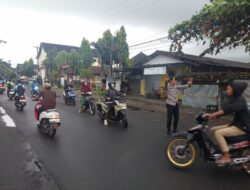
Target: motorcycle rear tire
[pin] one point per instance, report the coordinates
(92, 108)
(52, 133)
(100, 114)
(246, 166)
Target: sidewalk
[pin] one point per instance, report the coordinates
(158, 106)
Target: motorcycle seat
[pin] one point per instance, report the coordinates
(51, 110)
(236, 139)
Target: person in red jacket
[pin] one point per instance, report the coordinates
(85, 89)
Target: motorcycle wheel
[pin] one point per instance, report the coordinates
(176, 157)
(92, 108)
(73, 102)
(51, 132)
(100, 114)
(246, 166)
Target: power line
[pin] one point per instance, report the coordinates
(147, 42)
(125, 13)
(107, 11)
(165, 46)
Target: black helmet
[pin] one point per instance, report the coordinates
(110, 84)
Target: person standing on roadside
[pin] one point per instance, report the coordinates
(172, 103)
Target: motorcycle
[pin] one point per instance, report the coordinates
(2, 88)
(114, 109)
(69, 97)
(10, 94)
(182, 148)
(20, 102)
(48, 121)
(35, 93)
(89, 103)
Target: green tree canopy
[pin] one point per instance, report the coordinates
(6, 70)
(85, 54)
(222, 23)
(27, 68)
(120, 47)
(104, 47)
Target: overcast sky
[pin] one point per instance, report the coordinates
(26, 23)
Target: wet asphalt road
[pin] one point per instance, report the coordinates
(85, 155)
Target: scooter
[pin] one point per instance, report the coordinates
(2, 88)
(20, 102)
(69, 97)
(89, 104)
(10, 94)
(182, 149)
(113, 109)
(48, 121)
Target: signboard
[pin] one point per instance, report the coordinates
(155, 71)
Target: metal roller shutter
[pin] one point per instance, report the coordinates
(152, 82)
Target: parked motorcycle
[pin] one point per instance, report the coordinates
(35, 93)
(115, 109)
(2, 88)
(182, 149)
(69, 97)
(20, 102)
(48, 122)
(89, 104)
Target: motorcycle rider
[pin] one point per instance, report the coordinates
(32, 86)
(48, 99)
(85, 89)
(19, 89)
(111, 93)
(241, 123)
(68, 87)
(9, 85)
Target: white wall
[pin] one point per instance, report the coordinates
(161, 60)
(42, 71)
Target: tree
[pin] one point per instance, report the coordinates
(104, 47)
(6, 70)
(50, 63)
(27, 68)
(85, 54)
(74, 60)
(120, 47)
(224, 23)
(85, 73)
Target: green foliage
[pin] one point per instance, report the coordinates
(104, 47)
(85, 54)
(224, 23)
(27, 68)
(100, 92)
(113, 48)
(85, 73)
(120, 47)
(6, 70)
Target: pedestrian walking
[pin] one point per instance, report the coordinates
(172, 103)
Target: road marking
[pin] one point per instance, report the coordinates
(6, 118)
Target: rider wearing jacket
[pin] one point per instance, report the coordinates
(110, 95)
(48, 99)
(241, 123)
(19, 89)
(85, 89)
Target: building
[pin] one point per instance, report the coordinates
(43, 50)
(152, 71)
